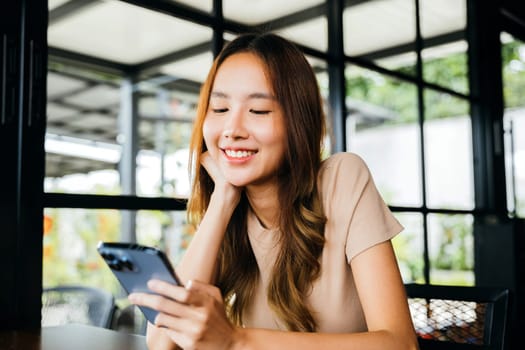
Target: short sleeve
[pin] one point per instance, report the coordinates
(357, 215)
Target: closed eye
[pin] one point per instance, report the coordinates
(260, 112)
(220, 110)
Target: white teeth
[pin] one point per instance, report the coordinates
(238, 154)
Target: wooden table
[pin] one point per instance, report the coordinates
(69, 337)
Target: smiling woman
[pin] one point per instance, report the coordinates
(285, 241)
(244, 127)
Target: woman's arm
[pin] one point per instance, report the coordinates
(384, 303)
(195, 317)
(199, 260)
(382, 293)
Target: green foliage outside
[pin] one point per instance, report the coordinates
(455, 251)
(401, 97)
(451, 249)
(450, 72)
(513, 58)
(70, 240)
(410, 259)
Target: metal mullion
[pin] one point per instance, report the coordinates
(487, 108)
(188, 13)
(513, 169)
(118, 202)
(128, 127)
(313, 52)
(425, 210)
(218, 29)
(336, 70)
(86, 61)
(421, 120)
(23, 26)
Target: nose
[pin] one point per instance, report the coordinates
(234, 127)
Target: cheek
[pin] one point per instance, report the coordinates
(274, 136)
(207, 133)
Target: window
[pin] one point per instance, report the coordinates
(121, 109)
(408, 116)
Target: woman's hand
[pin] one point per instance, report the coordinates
(227, 192)
(193, 317)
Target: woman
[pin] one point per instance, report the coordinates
(290, 251)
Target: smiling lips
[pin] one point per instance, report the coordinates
(238, 154)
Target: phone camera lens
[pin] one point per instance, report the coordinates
(108, 256)
(126, 263)
(115, 265)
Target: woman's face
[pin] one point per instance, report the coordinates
(244, 128)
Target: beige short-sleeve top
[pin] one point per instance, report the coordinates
(357, 219)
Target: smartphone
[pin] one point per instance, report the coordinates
(134, 265)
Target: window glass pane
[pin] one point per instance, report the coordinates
(446, 65)
(439, 18)
(92, 102)
(513, 56)
(70, 256)
(409, 247)
(451, 249)
(312, 33)
(448, 152)
(82, 127)
(321, 73)
(53, 4)
(71, 237)
(382, 128)
(167, 107)
(123, 33)
(70, 241)
(443, 26)
(383, 32)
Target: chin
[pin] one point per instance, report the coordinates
(238, 182)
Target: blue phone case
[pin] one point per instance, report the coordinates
(134, 265)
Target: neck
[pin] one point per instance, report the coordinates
(264, 203)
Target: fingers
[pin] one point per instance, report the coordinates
(193, 317)
(161, 304)
(197, 286)
(227, 192)
(169, 290)
(196, 293)
(211, 167)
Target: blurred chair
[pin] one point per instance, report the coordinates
(77, 304)
(129, 319)
(453, 317)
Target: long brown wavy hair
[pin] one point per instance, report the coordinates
(301, 220)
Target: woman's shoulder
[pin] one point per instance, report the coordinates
(343, 173)
(346, 162)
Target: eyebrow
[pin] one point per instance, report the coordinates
(255, 95)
